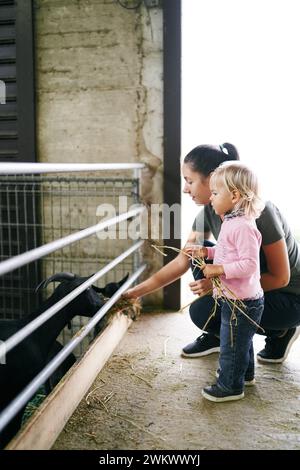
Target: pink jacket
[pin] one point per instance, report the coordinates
(238, 251)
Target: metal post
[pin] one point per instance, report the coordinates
(172, 128)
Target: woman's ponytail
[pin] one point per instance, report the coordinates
(230, 151)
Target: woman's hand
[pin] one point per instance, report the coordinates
(213, 270)
(130, 294)
(196, 251)
(201, 287)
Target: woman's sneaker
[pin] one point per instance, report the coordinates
(206, 344)
(216, 394)
(248, 380)
(277, 349)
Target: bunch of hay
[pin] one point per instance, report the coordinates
(130, 307)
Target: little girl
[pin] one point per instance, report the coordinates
(234, 197)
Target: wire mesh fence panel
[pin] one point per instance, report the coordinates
(19, 233)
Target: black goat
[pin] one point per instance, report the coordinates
(29, 357)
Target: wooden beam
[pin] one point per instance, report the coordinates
(48, 421)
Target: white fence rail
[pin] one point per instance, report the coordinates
(15, 339)
(36, 253)
(39, 168)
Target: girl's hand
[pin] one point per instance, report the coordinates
(196, 251)
(213, 270)
(201, 287)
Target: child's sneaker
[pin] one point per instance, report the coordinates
(216, 394)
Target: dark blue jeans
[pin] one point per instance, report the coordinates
(281, 310)
(236, 345)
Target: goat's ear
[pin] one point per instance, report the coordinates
(98, 289)
(123, 280)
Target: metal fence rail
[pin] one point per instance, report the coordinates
(39, 168)
(38, 321)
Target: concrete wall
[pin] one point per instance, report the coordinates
(99, 81)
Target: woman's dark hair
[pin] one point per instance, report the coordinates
(206, 158)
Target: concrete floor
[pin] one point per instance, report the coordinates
(149, 397)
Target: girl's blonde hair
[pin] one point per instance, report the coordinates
(238, 177)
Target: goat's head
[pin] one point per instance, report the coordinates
(88, 302)
(111, 288)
